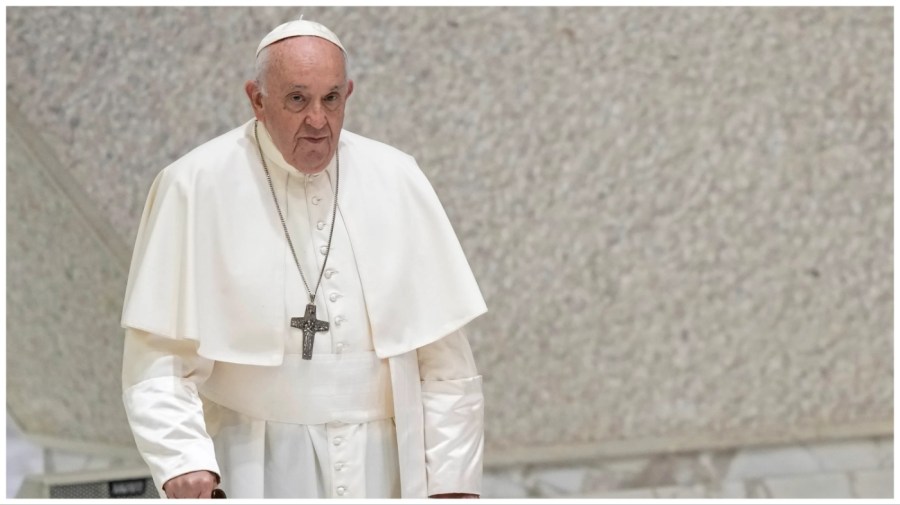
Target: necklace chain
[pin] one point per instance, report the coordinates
(337, 181)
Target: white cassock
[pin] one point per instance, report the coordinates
(391, 403)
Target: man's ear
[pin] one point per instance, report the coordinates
(254, 94)
(349, 89)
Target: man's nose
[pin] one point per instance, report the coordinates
(316, 117)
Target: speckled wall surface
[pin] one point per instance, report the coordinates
(63, 291)
(681, 218)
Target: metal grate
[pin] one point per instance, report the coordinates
(127, 488)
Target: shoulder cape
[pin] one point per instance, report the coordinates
(209, 243)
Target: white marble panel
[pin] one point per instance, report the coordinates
(846, 454)
(557, 482)
(831, 485)
(22, 458)
(674, 492)
(873, 483)
(504, 484)
(885, 447)
(624, 494)
(752, 463)
(774, 472)
(613, 474)
(729, 490)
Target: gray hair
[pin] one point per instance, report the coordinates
(262, 65)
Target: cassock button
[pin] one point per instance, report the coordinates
(339, 320)
(330, 272)
(333, 297)
(340, 347)
(337, 440)
(320, 225)
(316, 200)
(338, 466)
(323, 250)
(341, 490)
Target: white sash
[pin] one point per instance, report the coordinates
(349, 388)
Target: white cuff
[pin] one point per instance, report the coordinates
(454, 435)
(166, 417)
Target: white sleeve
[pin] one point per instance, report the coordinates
(160, 376)
(454, 416)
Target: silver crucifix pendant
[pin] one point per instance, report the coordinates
(310, 326)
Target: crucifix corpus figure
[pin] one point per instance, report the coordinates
(310, 326)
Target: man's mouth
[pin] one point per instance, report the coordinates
(314, 140)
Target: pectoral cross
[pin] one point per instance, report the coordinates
(310, 326)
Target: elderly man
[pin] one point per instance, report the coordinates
(295, 306)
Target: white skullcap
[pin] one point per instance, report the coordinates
(298, 28)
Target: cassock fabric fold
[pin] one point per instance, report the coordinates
(440, 420)
(166, 417)
(454, 435)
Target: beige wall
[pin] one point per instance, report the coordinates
(681, 218)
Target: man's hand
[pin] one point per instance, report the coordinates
(455, 496)
(199, 484)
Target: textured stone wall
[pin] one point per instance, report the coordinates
(681, 218)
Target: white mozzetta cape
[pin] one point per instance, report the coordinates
(208, 256)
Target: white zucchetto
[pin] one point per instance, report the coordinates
(298, 28)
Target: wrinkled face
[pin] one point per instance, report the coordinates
(302, 99)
